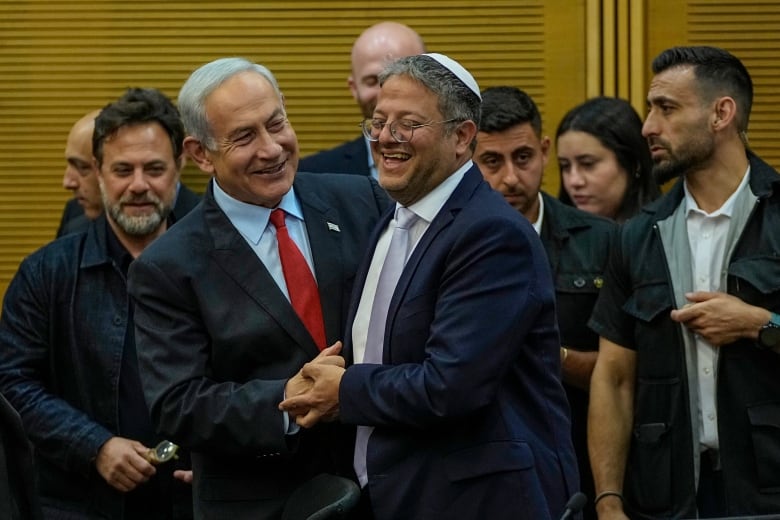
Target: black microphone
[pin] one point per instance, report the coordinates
(574, 505)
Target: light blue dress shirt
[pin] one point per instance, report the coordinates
(253, 223)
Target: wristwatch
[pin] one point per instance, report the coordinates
(769, 335)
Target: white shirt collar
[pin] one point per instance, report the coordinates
(429, 206)
(726, 209)
(538, 224)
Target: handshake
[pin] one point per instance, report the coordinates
(312, 395)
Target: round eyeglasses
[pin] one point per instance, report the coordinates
(163, 452)
(402, 130)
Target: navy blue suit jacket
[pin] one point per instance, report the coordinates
(349, 157)
(471, 419)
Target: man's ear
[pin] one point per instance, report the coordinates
(725, 112)
(545, 150)
(96, 167)
(352, 86)
(466, 132)
(198, 153)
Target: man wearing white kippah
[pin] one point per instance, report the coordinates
(455, 378)
(376, 46)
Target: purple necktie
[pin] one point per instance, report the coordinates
(397, 254)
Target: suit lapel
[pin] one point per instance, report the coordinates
(234, 256)
(459, 198)
(323, 227)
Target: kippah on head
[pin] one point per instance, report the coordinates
(456, 68)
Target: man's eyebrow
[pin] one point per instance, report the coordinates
(278, 111)
(78, 162)
(233, 133)
(654, 100)
(156, 162)
(120, 164)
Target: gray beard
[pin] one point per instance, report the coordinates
(142, 225)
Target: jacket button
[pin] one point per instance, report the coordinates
(579, 283)
(117, 320)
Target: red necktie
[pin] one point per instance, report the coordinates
(301, 286)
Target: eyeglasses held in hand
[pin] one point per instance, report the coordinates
(163, 452)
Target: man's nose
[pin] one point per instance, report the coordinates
(70, 180)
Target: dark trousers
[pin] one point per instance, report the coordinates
(363, 510)
(710, 497)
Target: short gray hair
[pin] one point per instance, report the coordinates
(456, 100)
(204, 81)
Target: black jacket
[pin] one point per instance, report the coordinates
(577, 245)
(62, 340)
(18, 500)
(634, 311)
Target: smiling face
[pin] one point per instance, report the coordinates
(138, 178)
(409, 171)
(678, 125)
(591, 174)
(512, 162)
(256, 156)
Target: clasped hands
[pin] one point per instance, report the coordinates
(312, 395)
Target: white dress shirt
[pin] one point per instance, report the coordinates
(707, 236)
(426, 208)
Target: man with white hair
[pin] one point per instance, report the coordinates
(245, 290)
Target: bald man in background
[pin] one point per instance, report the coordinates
(377, 46)
(80, 177)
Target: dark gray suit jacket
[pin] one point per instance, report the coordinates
(217, 341)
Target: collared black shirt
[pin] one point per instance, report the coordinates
(134, 421)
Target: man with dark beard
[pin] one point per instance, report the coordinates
(81, 178)
(67, 355)
(685, 397)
